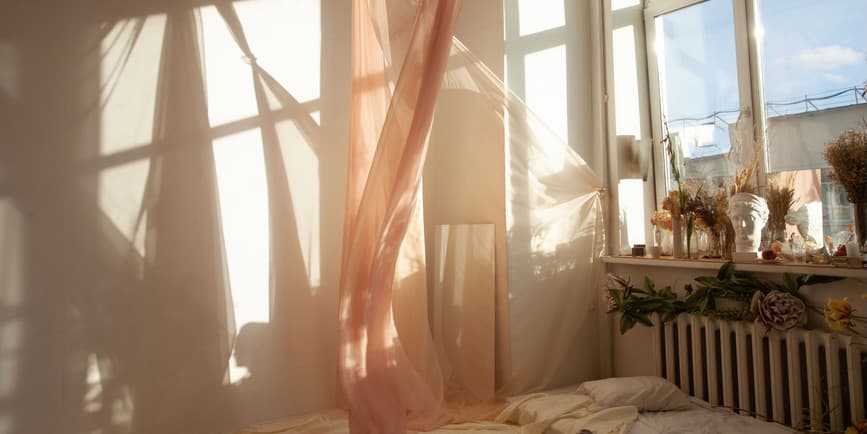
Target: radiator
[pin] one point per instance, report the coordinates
(806, 379)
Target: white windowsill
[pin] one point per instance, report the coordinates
(714, 264)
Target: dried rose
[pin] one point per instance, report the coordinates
(859, 428)
(661, 219)
(778, 310)
(838, 314)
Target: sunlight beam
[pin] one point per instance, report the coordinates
(539, 15)
(286, 37)
(627, 113)
(243, 195)
(129, 71)
(302, 172)
(228, 77)
(545, 81)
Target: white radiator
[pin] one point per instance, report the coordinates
(807, 379)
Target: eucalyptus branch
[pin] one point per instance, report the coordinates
(636, 305)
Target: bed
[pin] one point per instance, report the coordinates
(563, 411)
(702, 418)
(807, 379)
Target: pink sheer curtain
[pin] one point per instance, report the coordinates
(382, 387)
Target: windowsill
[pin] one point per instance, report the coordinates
(714, 264)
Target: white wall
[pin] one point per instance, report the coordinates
(464, 177)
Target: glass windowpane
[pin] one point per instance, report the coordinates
(697, 65)
(813, 57)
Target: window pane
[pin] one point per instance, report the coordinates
(539, 15)
(814, 63)
(632, 214)
(616, 5)
(813, 57)
(545, 82)
(698, 83)
(820, 206)
(627, 116)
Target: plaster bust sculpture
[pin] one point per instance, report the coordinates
(748, 214)
(800, 218)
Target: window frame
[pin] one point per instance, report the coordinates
(750, 93)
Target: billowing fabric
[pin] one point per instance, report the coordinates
(389, 380)
(382, 386)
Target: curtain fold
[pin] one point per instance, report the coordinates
(389, 374)
(554, 228)
(382, 388)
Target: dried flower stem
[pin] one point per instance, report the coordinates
(781, 198)
(675, 167)
(847, 155)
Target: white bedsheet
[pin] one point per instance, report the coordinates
(560, 411)
(701, 419)
(538, 413)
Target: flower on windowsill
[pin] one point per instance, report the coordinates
(778, 310)
(860, 427)
(661, 219)
(839, 314)
(847, 155)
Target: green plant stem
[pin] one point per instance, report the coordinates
(638, 304)
(690, 225)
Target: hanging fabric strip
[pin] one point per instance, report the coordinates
(381, 386)
(554, 227)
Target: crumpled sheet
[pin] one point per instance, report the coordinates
(703, 419)
(536, 413)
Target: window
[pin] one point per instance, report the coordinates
(813, 62)
(773, 80)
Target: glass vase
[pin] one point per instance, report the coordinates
(778, 233)
(677, 236)
(715, 248)
(666, 243)
(691, 245)
(701, 243)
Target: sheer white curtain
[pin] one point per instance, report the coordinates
(554, 229)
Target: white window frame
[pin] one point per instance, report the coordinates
(749, 86)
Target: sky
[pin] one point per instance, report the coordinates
(813, 47)
(808, 48)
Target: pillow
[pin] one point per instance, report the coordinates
(646, 393)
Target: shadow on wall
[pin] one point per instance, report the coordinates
(134, 243)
